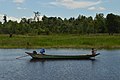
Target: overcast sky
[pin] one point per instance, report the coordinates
(16, 9)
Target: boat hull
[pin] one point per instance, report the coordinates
(45, 56)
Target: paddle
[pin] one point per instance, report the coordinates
(22, 56)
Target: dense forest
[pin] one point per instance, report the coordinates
(56, 25)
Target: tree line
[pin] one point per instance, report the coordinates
(56, 25)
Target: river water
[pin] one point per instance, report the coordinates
(105, 67)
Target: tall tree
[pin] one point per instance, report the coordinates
(36, 17)
(5, 18)
(113, 22)
(100, 23)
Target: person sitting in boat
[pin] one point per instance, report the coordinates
(42, 51)
(93, 51)
(34, 52)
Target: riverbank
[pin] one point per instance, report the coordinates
(60, 41)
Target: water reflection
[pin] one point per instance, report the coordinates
(47, 60)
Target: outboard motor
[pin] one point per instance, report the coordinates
(42, 51)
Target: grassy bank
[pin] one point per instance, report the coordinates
(60, 41)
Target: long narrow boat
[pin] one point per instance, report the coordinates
(46, 56)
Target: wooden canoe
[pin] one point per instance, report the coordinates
(46, 56)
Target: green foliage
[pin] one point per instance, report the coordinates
(57, 25)
(113, 23)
